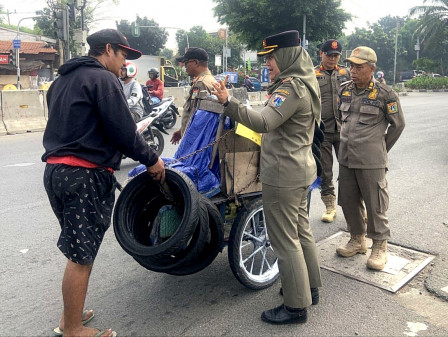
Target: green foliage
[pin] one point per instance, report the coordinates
(151, 40)
(253, 20)
(425, 64)
(167, 53)
(427, 82)
(198, 37)
(433, 30)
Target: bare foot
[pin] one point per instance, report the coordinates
(87, 315)
(89, 332)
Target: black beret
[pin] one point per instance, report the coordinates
(286, 39)
(331, 47)
(113, 36)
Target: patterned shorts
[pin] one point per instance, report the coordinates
(82, 199)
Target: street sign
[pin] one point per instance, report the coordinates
(16, 44)
(4, 59)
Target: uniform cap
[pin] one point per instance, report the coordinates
(361, 55)
(331, 47)
(113, 36)
(286, 39)
(193, 53)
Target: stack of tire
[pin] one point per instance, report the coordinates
(168, 228)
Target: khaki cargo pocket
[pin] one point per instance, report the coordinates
(344, 109)
(383, 196)
(368, 114)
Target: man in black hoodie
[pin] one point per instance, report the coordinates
(88, 130)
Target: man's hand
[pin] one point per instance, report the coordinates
(221, 90)
(175, 138)
(157, 171)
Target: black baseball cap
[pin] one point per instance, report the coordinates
(331, 47)
(193, 53)
(113, 36)
(289, 38)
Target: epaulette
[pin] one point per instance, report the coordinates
(346, 83)
(288, 79)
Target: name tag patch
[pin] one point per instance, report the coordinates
(392, 107)
(372, 102)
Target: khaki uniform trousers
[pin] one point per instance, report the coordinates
(331, 140)
(370, 185)
(291, 237)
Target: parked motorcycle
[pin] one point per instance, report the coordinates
(167, 112)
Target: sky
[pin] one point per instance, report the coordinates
(186, 14)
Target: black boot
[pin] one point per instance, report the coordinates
(281, 315)
(314, 295)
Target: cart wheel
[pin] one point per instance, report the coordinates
(251, 257)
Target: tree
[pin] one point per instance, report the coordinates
(433, 29)
(167, 53)
(151, 40)
(213, 44)
(253, 20)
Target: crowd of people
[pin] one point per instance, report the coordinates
(92, 123)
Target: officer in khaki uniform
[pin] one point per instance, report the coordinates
(195, 61)
(330, 75)
(372, 121)
(287, 168)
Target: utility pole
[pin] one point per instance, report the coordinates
(396, 47)
(304, 32)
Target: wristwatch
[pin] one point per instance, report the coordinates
(228, 101)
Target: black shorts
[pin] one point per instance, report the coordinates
(82, 199)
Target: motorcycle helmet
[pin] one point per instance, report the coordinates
(131, 69)
(380, 74)
(153, 71)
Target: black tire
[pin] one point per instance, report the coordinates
(173, 120)
(213, 246)
(158, 143)
(137, 208)
(159, 263)
(251, 257)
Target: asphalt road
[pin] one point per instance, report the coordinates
(134, 301)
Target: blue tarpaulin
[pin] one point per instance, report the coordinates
(200, 132)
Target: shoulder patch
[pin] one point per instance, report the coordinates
(133, 94)
(346, 93)
(318, 72)
(195, 93)
(392, 107)
(342, 71)
(277, 100)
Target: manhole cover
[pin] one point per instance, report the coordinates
(402, 263)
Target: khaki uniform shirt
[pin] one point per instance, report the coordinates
(329, 85)
(288, 123)
(372, 121)
(201, 87)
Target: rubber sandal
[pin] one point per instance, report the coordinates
(114, 334)
(58, 332)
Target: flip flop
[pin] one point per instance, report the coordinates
(114, 334)
(58, 332)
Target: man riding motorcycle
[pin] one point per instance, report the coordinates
(154, 86)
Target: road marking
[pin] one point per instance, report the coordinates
(445, 289)
(24, 251)
(19, 165)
